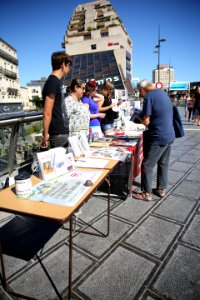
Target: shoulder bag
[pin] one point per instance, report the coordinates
(178, 125)
(115, 114)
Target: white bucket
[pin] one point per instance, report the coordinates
(23, 185)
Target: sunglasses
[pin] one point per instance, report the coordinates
(82, 87)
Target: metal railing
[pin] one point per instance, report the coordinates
(8, 73)
(14, 130)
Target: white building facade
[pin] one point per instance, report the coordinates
(10, 97)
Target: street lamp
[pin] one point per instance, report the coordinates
(158, 51)
(169, 79)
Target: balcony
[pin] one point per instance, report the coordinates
(78, 18)
(102, 19)
(80, 13)
(8, 57)
(12, 91)
(8, 73)
(100, 14)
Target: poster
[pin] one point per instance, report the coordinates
(66, 189)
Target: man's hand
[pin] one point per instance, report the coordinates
(45, 141)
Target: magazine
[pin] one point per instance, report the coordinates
(123, 143)
(80, 146)
(109, 153)
(88, 162)
(55, 162)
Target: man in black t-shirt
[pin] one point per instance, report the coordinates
(54, 127)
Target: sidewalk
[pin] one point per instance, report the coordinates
(152, 251)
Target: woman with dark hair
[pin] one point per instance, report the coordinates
(77, 115)
(106, 105)
(196, 108)
(95, 115)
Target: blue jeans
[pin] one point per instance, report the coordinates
(107, 126)
(155, 155)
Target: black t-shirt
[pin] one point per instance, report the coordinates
(197, 101)
(109, 117)
(53, 86)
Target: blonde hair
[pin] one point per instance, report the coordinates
(107, 86)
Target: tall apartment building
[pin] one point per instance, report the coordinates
(99, 45)
(10, 100)
(166, 75)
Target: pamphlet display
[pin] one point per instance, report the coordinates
(62, 183)
(80, 146)
(55, 162)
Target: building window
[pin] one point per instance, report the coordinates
(87, 37)
(93, 46)
(103, 34)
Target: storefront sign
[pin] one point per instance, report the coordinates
(101, 81)
(179, 86)
(113, 44)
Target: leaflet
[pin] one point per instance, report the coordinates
(109, 153)
(87, 162)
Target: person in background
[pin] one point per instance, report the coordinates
(77, 115)
(157, 115)
(186, 99)
(190, 106)
(196, 108)
(54, 129)
(106, 105)
(95, 115)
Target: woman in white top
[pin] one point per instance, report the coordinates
(77, 115)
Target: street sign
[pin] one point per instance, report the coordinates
(159, 85)
(180, 86)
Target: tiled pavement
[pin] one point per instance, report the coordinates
(152, 252)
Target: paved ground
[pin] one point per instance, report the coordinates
(152, 252)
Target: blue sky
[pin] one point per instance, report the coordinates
(37, 28)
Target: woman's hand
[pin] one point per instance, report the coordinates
(112, 105)
(102, 115)
(119, 102)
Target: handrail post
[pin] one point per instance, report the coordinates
(12, 147)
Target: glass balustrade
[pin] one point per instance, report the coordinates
(20, 136)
